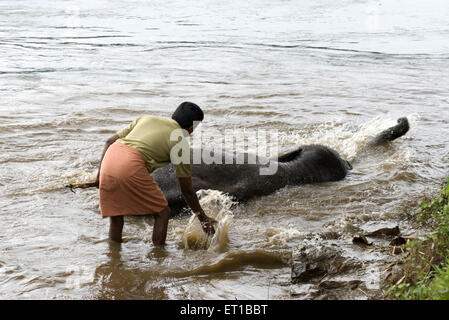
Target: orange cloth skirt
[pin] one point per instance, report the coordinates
(126, 186)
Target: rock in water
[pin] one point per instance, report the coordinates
(312, 261)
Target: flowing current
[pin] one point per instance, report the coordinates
(72, 73)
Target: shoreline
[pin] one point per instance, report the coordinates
(423, 271)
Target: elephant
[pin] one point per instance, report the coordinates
(306, 164)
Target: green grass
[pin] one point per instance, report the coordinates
(426, 265)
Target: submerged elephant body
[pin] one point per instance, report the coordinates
(307, 164)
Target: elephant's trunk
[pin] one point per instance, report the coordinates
(392, 133)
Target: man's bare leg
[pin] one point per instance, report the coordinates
(160, 226)
(115, 228)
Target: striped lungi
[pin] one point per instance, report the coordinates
(126, 186)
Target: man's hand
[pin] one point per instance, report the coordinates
(194, 204)
(207, 224)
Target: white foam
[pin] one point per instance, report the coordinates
(280, 237)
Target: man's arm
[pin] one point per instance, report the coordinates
(108, 143)
(192, 200)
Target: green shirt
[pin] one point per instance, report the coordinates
(151, 136)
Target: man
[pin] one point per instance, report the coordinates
(130, 155)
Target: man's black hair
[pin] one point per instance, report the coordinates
(187, 113)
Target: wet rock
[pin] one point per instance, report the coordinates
(337, 269)
(361, 240)
(312, 261)
(332, 284)
(385, 232)
(305, 291)
(398, 241)
(341, 265)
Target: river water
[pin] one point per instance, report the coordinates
(329, 72)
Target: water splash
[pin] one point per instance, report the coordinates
(348, 139)
(217, 205)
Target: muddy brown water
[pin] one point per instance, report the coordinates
(74, 72)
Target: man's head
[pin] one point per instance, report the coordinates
(186, 114)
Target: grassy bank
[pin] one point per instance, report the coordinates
(425, 266)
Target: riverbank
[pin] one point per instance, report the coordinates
(425, 266)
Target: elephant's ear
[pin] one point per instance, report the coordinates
(290, 156)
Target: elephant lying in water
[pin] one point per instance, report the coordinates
(306, 164)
